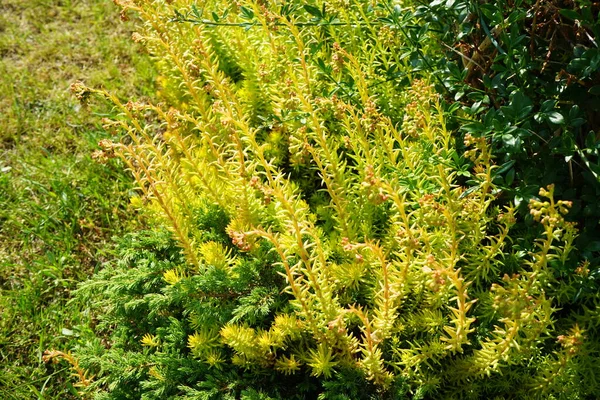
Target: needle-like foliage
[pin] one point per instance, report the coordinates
(326, 234)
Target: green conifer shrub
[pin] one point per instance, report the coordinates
(319, 239)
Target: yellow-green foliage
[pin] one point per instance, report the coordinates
(392, 266)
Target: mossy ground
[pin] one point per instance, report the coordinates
(59, 209)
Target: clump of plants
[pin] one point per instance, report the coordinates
(320, 237)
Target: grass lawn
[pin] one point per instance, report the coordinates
(58, 207)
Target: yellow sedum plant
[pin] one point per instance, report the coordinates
(393, 265)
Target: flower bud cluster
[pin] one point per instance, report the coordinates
(239, 239)
(266, 191)
(106, 152)
(387, 36)
(340, 108)
(573, 341)
(81, 92)
(478, 152)
(338, 58)
(350, 247)
(415, 117)
(437, 276)
(373, 187)
(432, 211)
(404, 239)
(549, 212)
(507, 218)
(413, 121)
(371, 117)
(270, 17)
(583, 269)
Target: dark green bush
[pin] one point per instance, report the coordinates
(526, 75)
